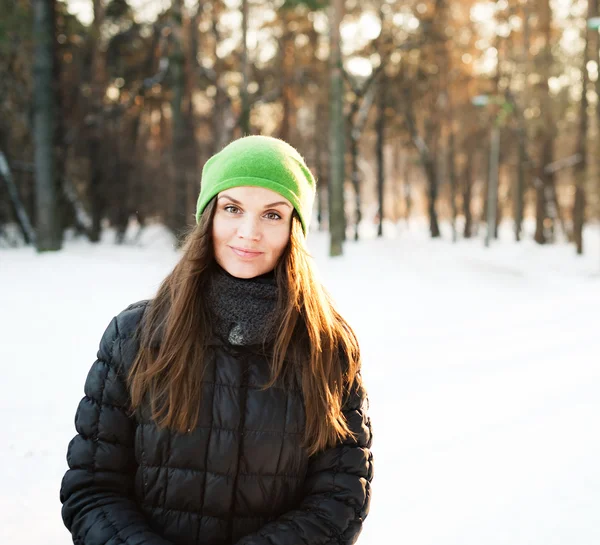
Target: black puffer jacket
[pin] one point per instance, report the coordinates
(240, 477)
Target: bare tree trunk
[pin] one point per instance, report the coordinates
(223, 121)
(520, 185)
(492, 196)
(380, 127)
(544, 189)
(596, 58)
(519, 197)
(245, 114)
(398, 164)
(432, 172)
(452, 180)
(19, 209)
(496, 135)
(407, 188)
(355, 176)
(357, 118)
(95, 192)
(288, 121)
(177, 65)
(83, 220)
(192, 152)
(467, 194)
(48, 225)
(193, 39)
(337, 129)
(96, 127)
(581, 167)
(434, 228)
(428, 163)
(67, 212)
(118, 212)
(319, 167)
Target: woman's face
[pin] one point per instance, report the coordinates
(251, 228)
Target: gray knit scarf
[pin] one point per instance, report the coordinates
(243, 309)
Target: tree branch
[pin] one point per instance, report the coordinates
(20, 211)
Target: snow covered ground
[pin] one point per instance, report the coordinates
(482, 368)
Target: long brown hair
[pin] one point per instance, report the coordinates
(313, 341)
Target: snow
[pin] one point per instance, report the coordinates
(481, 364)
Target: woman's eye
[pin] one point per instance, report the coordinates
(272, 216)
(231, 209)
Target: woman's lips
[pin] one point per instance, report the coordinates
(246, 254)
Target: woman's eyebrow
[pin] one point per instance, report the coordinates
(278, 203)
(224, 196)
(235, 201)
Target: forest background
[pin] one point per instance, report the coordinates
(467, 112)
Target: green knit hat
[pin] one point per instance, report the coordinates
(260, 161)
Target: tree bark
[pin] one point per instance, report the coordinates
(19, 209)
(452, 180)
(357, 118)
(178, 143)
(44, 105)
(428, 163)
(354, 136)
(467, 193)
(596, 58)
(245, 113)
(408, 190)
(288, 54)
(519, 198)
(336, 179)
(543, 227)
(319, 167)
(581, 167)
(492, 196)
(380, 128)
(96, 192)
(66, 211)
(223, 121)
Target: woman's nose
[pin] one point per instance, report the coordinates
(249, 228)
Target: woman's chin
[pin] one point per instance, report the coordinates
(244, 270)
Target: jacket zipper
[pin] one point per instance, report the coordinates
(244, 397)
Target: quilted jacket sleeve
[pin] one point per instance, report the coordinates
(337, 490)
(97, 490)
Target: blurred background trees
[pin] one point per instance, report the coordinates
(466, 112)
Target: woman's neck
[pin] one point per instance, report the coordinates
(243, 309)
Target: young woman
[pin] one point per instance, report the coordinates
(228, 409)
